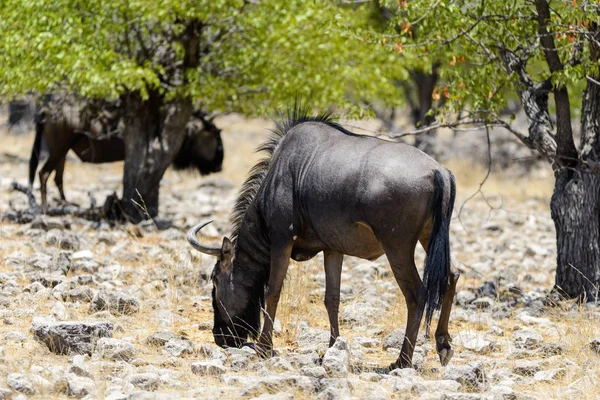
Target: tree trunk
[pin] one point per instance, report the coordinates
(425, 84)
(575, 207)
(154, 133)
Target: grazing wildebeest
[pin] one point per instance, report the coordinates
(323, 188)
(92, 131)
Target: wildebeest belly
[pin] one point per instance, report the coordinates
(99, 151)
(358, 241)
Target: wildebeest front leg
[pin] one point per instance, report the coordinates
(280, 258)
(333, 272)
(58, 178)
(44, 175)
(442, 337)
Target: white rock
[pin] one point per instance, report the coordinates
(527, 338)
(208, 368)
(336, 359)
(79, 387)
(115, 349)
(145, 381)
(28, 384)
(83, 254)
(473, 340)
(59, 311)
(549, 375)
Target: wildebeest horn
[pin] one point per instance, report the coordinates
(191, 237)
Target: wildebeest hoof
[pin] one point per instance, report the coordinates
(444, 349)
(445, 356)
(264, 351)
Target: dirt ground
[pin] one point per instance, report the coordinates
(508, 343)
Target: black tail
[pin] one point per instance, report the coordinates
(437, 262)
(37, 146)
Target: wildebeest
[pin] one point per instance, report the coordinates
(323, 188)
(92, 130)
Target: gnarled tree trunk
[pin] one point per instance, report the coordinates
(575, 210)
(575, 203)
(154, 133)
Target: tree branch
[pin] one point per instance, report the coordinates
(565, 146)
(534, 99)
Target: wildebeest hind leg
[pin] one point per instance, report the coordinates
(333, 272)
(407, 277)
(442, 337)
(280, 258)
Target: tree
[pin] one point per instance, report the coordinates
(165, 58)
(547, 53)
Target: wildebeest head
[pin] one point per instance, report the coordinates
(236, 303)
(202, 148)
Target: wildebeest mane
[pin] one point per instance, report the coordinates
(294, 116)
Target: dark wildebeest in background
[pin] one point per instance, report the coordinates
(21, 113)
(323, 188)
(92, 130)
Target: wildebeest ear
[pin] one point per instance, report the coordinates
(226, 253)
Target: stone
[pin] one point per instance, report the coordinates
(437, 386)
(331, 393)
(62, 240)
(471, 376)
(279, 364)
(80, 293)
(488, 289)
(115, 349)
(527, 367)
(274, 383)
(115, 302)
(314, 372)
(336, 359)
(595, 345)
(366, 342)
(5, 394)
(483, 302)
(406, 384)
(394, 339)
(145, 381)
(106, 238)
(59, 311)
(465, 297)
(71, 336)
(79, 366)
(276, 396)
(28, 384)
(15, 336)
(463, 396)
(48, 223)
(473, 340)
(239, 362)
(527, 338)
(80, 387)
(161, 337)
(81, 255)
(177, 347)
(549, 375)
(308, 337)
(208, 368)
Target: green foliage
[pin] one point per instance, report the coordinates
(255, 55)
(464, 37)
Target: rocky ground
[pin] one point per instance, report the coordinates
(90, 311)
